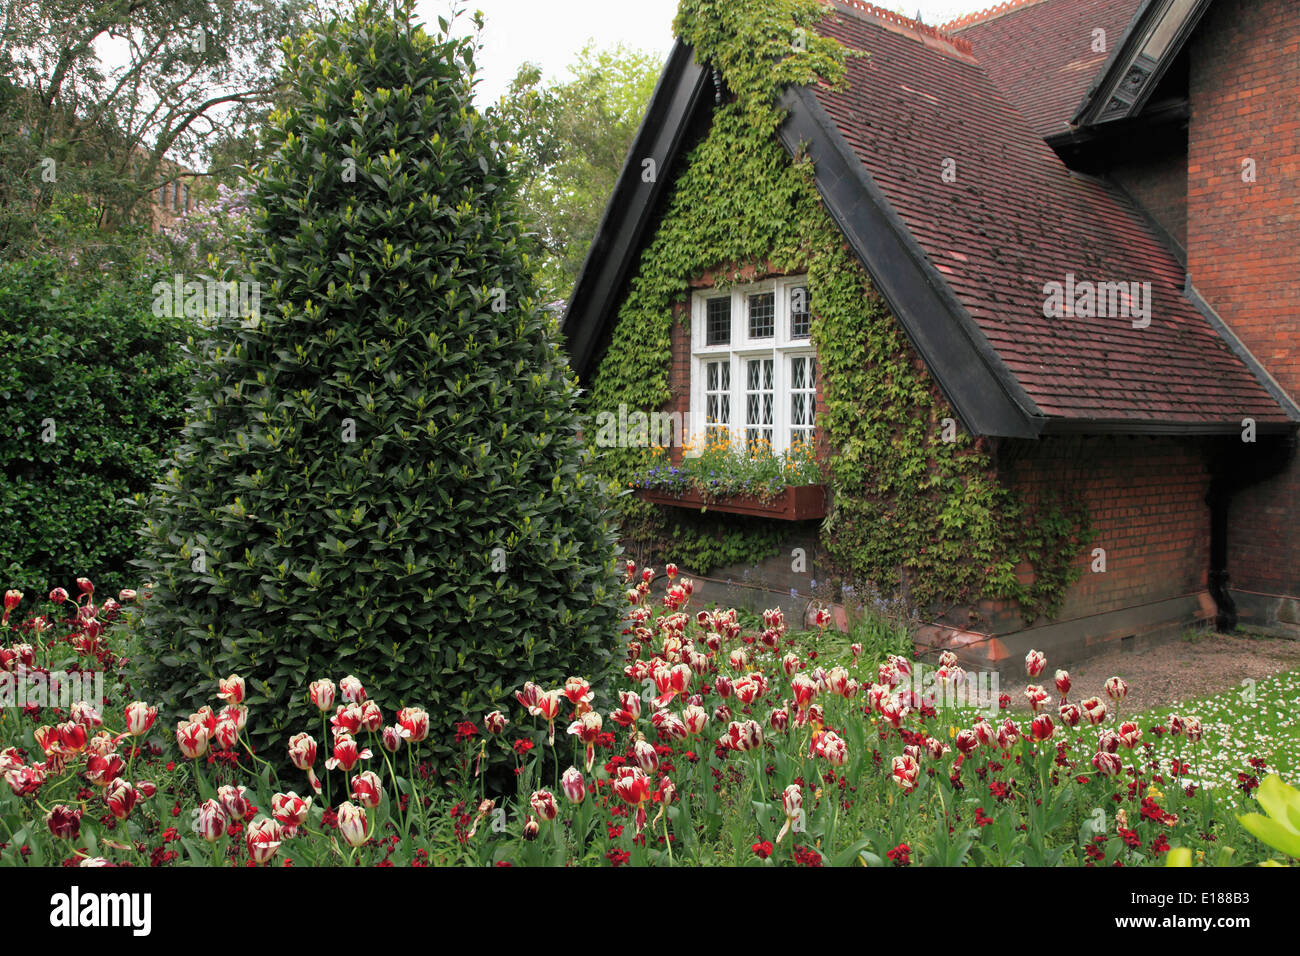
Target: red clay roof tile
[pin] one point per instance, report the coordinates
(1040, 52)
(1017, 218)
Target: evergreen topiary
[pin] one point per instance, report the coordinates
(382, 474)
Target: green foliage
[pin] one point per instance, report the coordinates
(910, 511)
(571, 138)
(452, 546)
(88, 367)
(194, 78)
(1280, 829)
(722, 469)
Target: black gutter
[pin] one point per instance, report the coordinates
(683, 88)
(977, 383)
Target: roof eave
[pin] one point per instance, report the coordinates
(680, 92)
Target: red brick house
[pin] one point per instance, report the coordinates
(1151, 141)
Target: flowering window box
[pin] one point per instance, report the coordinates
(794, 503)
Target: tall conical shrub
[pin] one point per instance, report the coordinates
(381, 475)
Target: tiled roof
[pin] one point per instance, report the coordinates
(1016, 218)
(1040, 52)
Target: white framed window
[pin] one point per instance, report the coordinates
(753, 369)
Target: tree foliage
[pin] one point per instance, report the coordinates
(571, 140)
(382, 473)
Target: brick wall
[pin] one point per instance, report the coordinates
(1146, 497)
(1244, 238)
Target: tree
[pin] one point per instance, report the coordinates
(571, 140)
(382, 473)
(182, 79)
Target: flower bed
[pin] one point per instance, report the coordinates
(748, 479)
(718, 745)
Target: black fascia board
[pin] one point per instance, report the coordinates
(682, 89)
(981, 389)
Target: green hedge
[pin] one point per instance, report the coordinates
(92, 389)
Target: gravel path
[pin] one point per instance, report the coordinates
(1173, 671)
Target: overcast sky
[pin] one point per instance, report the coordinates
(551, 32)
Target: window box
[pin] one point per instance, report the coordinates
(795, 503)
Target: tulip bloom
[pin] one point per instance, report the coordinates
(416, 722)
(792, 804)
(1071, 714)
(367, 789)
(1036, 696)
(233, 801)
(226, 736)
(1063, 683)
(231, 689)
(832, 747)
(72, 736)
(544, 805)
(346, 753)
(121, 798)
(1042, 727)
(263, 839)
(25, 781)
(1192, 728)
(1129, 734)
(587, 729)
(495, 722)
(302, 751)
(322, 694)
(352, 824)
(694, 717)
(1107, 764)
(633, 787)
(101, 771)
(743, 737)
(1116, 689)
(1094, 708)
(1035, 661)
(352, 691)
(966, 741)
(290, 811)
(140, 718)
(905, 771)
(573, 785)
(64, 821)
(192, 738)
(392, 737)
(210, 821)
(347, 719)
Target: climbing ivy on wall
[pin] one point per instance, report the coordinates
(909, 509)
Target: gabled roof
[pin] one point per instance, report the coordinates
(963, 264)
(1040, 53)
